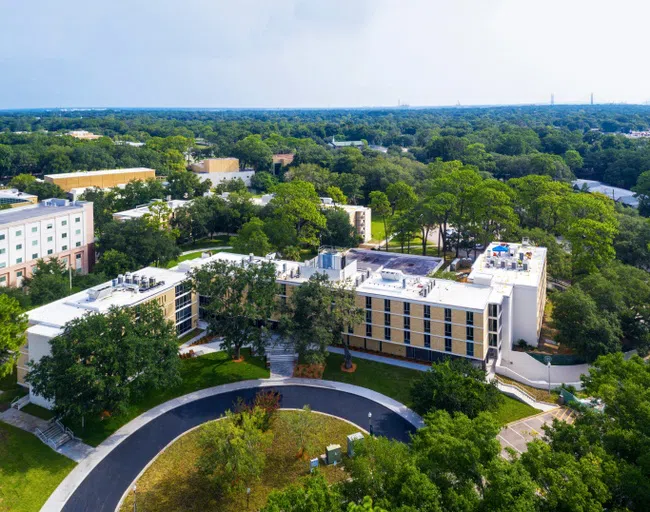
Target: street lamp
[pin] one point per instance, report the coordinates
(370, 423)
(548, 365)
(135, 507)
(248, 496)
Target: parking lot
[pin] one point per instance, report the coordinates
(519, 433)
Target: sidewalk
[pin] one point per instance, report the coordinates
(205, 249)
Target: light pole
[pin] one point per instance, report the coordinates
(548, 365)
(248, 497)
(370, 423)
(135, 507)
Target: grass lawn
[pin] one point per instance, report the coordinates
(377, 229)
(38, 411)
(206, 242)
(29, 470)
(512, 409)
(197, 373)
(392, 381)
(188, 336)
(172, 482)
(10, 390)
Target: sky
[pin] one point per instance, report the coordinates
(317, 53)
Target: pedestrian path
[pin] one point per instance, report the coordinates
(282, 360)
(206, 249)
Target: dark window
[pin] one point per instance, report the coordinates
(493, 324)
(470, 349)
(427, 311)
(407, 322)
(183, 313)
(448, 330)
(368, 302)
(183, 301)
(469, 316)
(470, 333)
(386, 318)
(387, 333)
(283, 289)
(183, 288)
(351, 329)
(447, 315)
(493, 340)
(427, 326)
(427, 341)
(369, 330)
(369, 316)
(447, 344)
(386, 305)
(407, 337)
(493, 310)
(183, 327)
(407, 308)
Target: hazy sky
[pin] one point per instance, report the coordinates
(317, 53)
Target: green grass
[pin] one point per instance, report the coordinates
(196, 373)
(188, 336)
(392, 381)
(10, 390)
(29, 470)
(377, 229)
(206, 242)
(512, 409)
(38, 411)
(173, 482)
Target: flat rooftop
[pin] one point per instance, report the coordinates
(139, 211)
(12, 193)
(407, 263)
(25, 213)
(97, 173)
(510, 264)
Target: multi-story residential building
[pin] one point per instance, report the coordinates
(13, 198)
(145, 209)
(53, 228)
(218, 170)
(280, 161)
(106, 178)
(406, 313)
(360, 217)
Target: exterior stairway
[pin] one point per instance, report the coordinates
(282, 360)
(55, 435)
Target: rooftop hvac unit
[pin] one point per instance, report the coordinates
(284, 267)
(521, 256)
(503, 263)
(513, 265)
(251, 256)
(135, 279)
(152, 282)
(120, 278)
(525, 265)
(127, 278)
(114, 283)
(143, 281)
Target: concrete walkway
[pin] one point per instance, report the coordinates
(74, 449)
(65, 490)
(205, 249)
(201, 350)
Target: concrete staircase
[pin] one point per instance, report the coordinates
(19, 403)
(55, 435)
(282, 360)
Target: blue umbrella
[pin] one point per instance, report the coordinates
(500, 248)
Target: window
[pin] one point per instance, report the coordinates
(19, 273)
(407, 308)
(183, 327)
(369, 330)
(34, 229)
(407, 337)
(78, 244)
(64, 235)
(77, 232)
(470, 333)
(19, 247)
(64, 248)
(350, 329)
(3, 264)
(387, 333)
(493, 310)
(427, 341)
(2, 237)
(35, 256)
(3, 280)
(386, 305)
(470, 349)
(50, 238)
(64, 222)
(50, 251)
(493, 340)
(469, 317)
(386, 318)
(183, 301)
(182, 288)
(369, 316)
(407, 322)
(368, 302)
(448, 330)
(447, 315)
(427, 326)
(493, 324)
(77, 220)
(183, 314)
(447, 344)
(427, 311)
(34, 242)
(49, 226)
(283, 289)
(2, 251)
(77, 257)
(19, 232)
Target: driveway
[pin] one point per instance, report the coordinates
(518, 434)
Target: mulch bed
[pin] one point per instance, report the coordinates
(309, 371)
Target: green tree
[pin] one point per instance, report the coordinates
(186, 185)
(252, 239)
(641, 189)
(338, 230)
(22, 181)
(252, 151)
(233, 452)
(49, 281)
(104, 206)
(380, 205)
(13, 325)
(454, 386)
(114, 262)
(263, 182)
(574, 160)
(337, 195)
(509, 488)
(401, 196)
(311, 173)
(104, 361)
(240, 299)
(314, 495)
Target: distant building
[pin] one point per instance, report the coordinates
(218, 170)
(145, 209)
(129, 143)
(13, 198)
(106, 178)
(346, 143)
(360, 217)
(620, 195)
(83, 135)
(53, 228)
(281, 160)
(638, 135)
(381, 149)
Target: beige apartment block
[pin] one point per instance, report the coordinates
(211, 165)
(106, 178)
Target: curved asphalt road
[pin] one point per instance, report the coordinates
(102, 489)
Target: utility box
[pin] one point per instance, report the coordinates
(333, 453)
(353, 438)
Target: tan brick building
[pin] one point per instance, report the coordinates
(107, 178)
